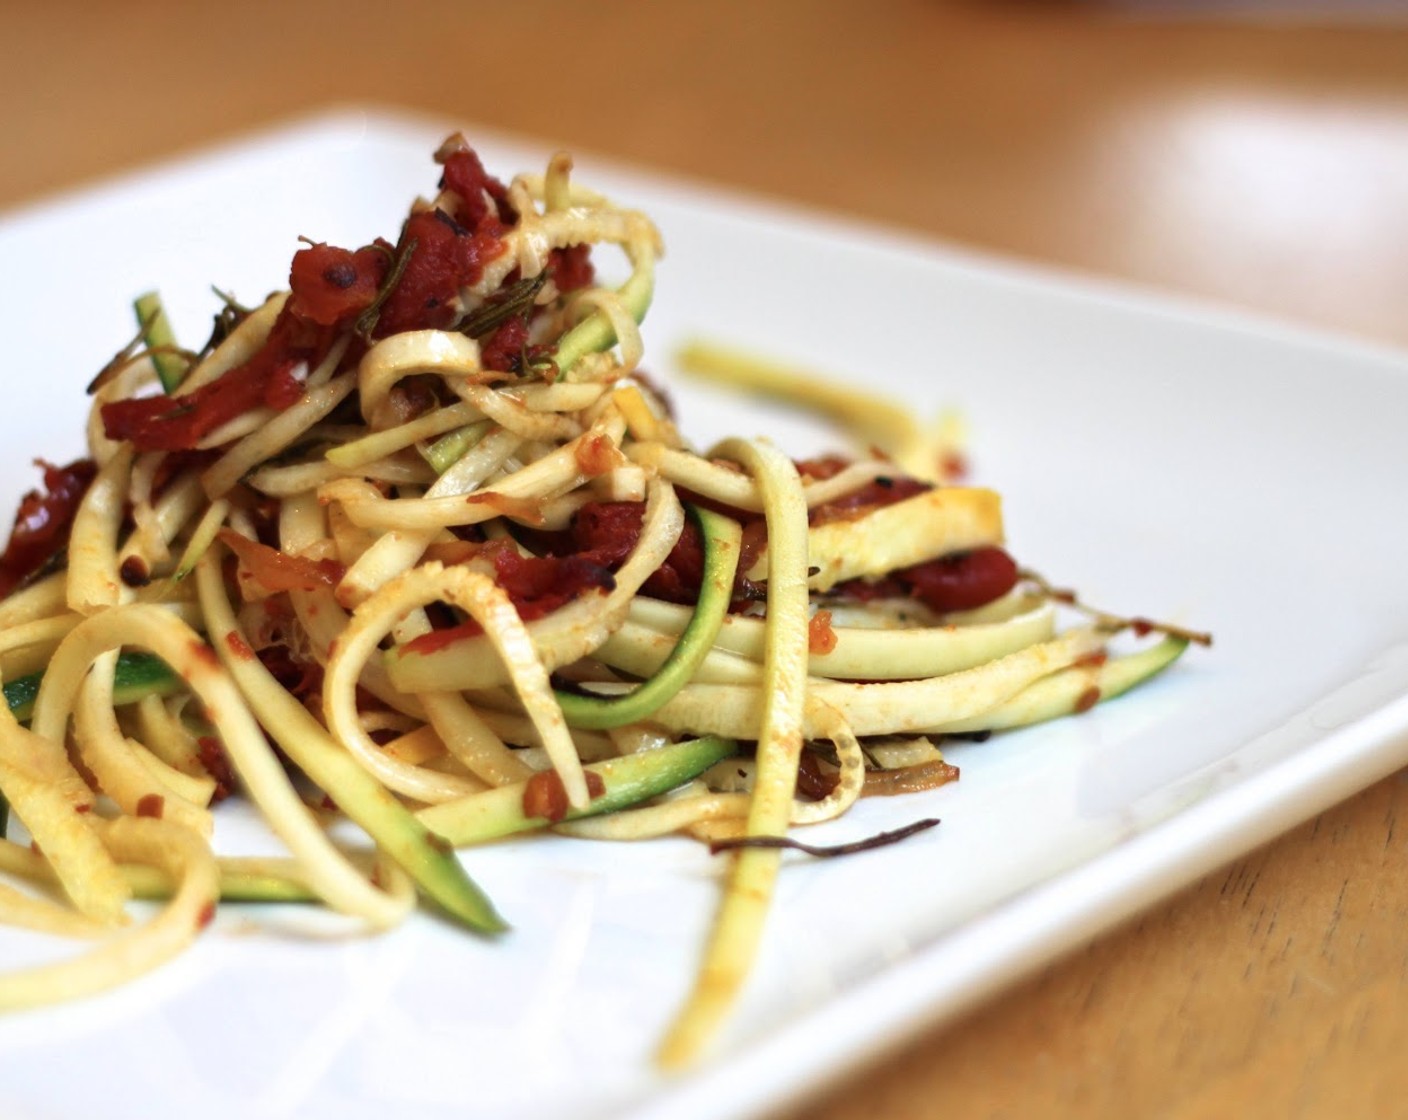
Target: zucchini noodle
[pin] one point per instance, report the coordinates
(778, 729)
(416, 549)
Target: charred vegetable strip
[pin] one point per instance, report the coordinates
(722, 537)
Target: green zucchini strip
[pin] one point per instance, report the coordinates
(1073, 690)
(595, 333)
(424, 856)
(170, 364)
(448, 450)
(722, 537)
(242, 878)
(138, 675)
(625, 781)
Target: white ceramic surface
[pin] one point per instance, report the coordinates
(1164, 458)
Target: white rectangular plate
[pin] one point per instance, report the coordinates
(1164, 459)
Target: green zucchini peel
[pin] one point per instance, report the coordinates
(722, 539)
(170, 363)
(625, 781)
(1074, 690)
(137, 675)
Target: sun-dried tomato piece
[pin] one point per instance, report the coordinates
(571, 267)
(608, 532)
(165, 423)
(447, 256)
(43, 521)
(331, 286)
(536, 585)
(962, 581)
(301, 679)
(465, 175)
(504, 348)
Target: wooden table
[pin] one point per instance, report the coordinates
(1261, 165)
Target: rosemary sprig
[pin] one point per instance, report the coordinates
(367, 320)
(516, 299)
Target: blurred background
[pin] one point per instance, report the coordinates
(1246, 153)
(1251, 151)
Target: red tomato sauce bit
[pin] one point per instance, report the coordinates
(238, 646)
(206, 915)
(211, 753)
(43, 521)
(202, 655)
(302, 679)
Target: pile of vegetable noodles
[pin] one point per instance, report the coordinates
(415, 544)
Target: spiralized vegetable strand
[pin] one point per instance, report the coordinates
(739, 925)
(325, 761)
(183, 856)
(722, 537)
(259, 769)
